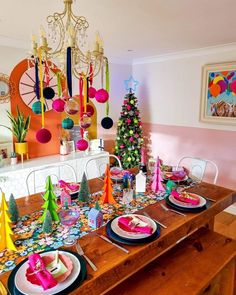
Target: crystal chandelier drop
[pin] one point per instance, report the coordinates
(69, 32)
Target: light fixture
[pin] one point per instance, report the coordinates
(66, 30)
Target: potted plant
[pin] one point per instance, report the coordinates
(19, 128)
(13, 158)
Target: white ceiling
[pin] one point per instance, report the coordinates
(149, 28)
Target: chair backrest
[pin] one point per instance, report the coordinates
(99, 167)
(36, 179)
(197, 167)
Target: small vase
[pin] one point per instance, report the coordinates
(13, 161)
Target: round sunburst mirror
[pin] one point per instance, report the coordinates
(5, 88)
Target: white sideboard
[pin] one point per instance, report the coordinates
(13, 177)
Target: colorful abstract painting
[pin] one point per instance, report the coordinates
(218, 102)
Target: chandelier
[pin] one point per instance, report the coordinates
(67, 39)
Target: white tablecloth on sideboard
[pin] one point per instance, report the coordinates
(13, 177)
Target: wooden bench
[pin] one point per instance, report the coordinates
(204, 263)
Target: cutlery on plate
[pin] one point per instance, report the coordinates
(161, 224)
(114, 244)
(81, 252)
(3, 290)
(172, 210)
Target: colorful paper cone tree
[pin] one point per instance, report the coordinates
(157, 185)
(84, 191)
(107, 196)
(13, 209)
(50, 202)
(47, 224)
(5, 229)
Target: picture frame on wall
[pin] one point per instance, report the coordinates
(71, 146)
(218, 95)
(5, 152)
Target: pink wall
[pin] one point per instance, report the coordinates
(173, 142)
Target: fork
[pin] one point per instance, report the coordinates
(172, 210)
(81, 252)
(161, 224)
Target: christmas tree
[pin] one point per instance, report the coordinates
(47, 224)
(5, 229)
(157, 185)
(84, 191)
(107, 196)
(13, 209)
(50, 201)
(129, 133)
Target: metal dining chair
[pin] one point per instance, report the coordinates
(197, 167)
(36, 179)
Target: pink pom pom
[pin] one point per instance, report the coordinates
(43, 135)
(128, 107)
(92, 92)
(101, 95)
(131, 139)
(82, 144)
(58, 105)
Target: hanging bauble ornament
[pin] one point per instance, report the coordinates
(36, 107)
(48, 93)
(67, 123)
(131, 139)
(82, 144)
(131, 132)
(128, 121)
(58, 105)
(92, 92)
(90, 110)
(43, 135)
(71, 106)
(107, 123)
(128, 107)
(85, 121)
(101, 95)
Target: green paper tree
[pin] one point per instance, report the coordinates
(50, 201)
(13, 209)
(97, 207)
(47, 224)
(129, 133)
(84, 190)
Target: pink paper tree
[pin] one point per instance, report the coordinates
(157, 185)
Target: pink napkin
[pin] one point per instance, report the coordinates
(125, 224)
(70, 186)
(186, 198)
(38, 267)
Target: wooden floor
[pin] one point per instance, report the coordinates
(225, 224)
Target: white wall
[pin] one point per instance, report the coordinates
(170, 88)
(9, 57)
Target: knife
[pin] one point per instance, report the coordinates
(114, 244)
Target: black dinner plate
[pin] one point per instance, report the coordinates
(179, 208)
(111, 234)
(81, 277)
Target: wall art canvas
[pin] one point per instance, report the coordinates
(218, 99)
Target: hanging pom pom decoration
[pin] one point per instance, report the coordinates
(48, 92)
(82, 144)
(58, 104)
(92, 92)
(37, 108)
(107, 122)
(43, 135)
(85, 121)
(90, 110)
(101, 95)
(67, 123)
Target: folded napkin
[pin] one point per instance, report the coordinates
(71, 186)
(186, 198)
(38, 267)
(176, 175)
(134, 224)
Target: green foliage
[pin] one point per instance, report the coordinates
(50, 202)
(13, 155)
(129, 133)
(84, 191)
(47, 224)
(13, 209)
(19, 125)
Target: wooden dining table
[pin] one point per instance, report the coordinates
(114, 265)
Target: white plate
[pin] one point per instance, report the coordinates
(27, 288)
(188, 205)
(129, 235)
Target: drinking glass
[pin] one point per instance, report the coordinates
(68, 218)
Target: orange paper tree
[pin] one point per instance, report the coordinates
(107, 196)
(5, 229)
